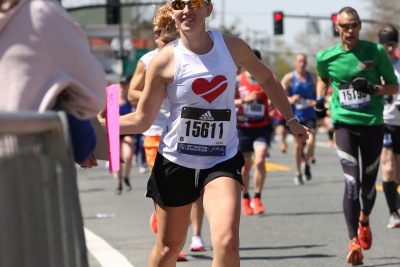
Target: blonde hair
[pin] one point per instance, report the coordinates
(6, 5)
(163, 22)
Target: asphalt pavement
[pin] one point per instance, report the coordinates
(302, 226)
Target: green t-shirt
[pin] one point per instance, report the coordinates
(368, 60)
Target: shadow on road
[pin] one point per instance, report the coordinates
(306, 256)
(322, 213)
(92, 190)
(280, 247)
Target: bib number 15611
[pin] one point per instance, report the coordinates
(204, 129)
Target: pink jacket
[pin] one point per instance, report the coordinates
(44, 53)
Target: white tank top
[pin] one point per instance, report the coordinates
(391, 115)
(146, 58)
(201, 128)
(158, 125)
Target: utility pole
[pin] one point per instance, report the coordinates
(223, 14)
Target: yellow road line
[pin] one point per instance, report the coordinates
(272, 167)
(380, 188)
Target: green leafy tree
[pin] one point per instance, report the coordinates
(283, 56)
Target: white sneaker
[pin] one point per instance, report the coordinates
(298, 180)
(143, 169)
(197, 244)
(394, 220)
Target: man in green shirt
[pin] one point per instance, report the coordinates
(355, 69)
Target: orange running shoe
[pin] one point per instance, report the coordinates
(257, 205)
(181, 256)
(153, 222)
(330, 143)
(354, 256)
(283, 148)
(364, 236)
(247, 210)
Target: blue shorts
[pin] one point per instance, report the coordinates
(391, 138)
(276, 122)
(309, 123)
(247, 136)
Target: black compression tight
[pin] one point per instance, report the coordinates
(352, 141)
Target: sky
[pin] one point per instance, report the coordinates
(254, 17)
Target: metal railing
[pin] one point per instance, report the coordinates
(40, 216)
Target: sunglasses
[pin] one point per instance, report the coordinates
(349, 26)
(387, 44)
(192, 4)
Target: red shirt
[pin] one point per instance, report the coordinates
(256, 113)
(278, 115)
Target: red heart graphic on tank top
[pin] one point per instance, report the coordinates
(210, 90)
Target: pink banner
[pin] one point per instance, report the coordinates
(112, 123)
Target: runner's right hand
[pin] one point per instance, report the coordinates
(364, 86)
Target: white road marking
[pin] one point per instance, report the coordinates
(105, 254)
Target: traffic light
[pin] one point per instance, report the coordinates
(278, 22)
(113, 12)
(334, 18)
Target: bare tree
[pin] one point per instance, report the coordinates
(311, 44)
(382, 12)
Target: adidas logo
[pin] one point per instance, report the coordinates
(206, 116)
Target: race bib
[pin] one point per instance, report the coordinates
(302, 103)
(203, 132)
(352, 99)
(254, 109)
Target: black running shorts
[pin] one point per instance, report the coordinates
(173, 185)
